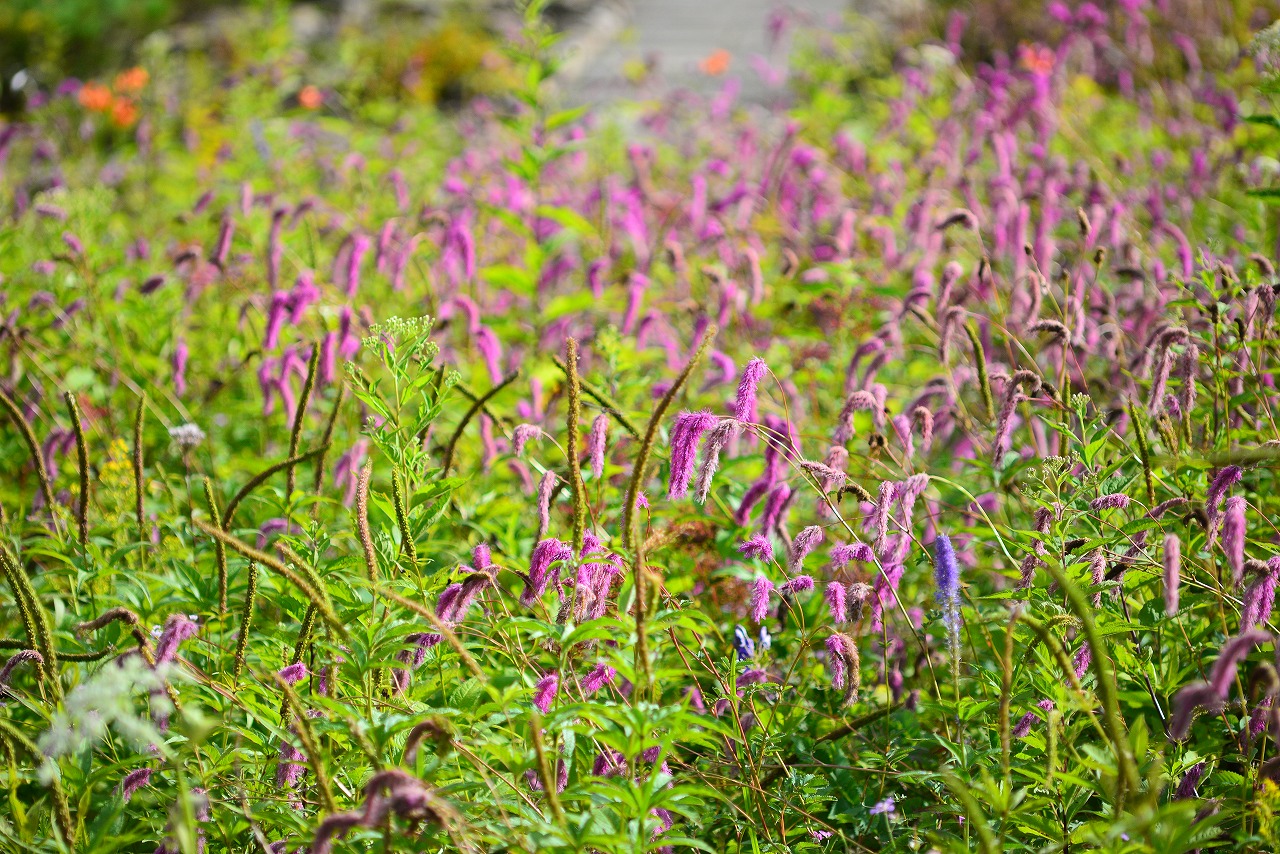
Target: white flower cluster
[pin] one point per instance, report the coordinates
(106, 700)
(186, 436)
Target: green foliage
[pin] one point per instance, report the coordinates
(375, 681)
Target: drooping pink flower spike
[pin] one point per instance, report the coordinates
(133, 781)
(544, 693)
(802, 546)
(1233, 652)
(685, 435)
(757, 546)
(600, 676)
(596, 444)
(1260, 596)
(796, 585)
(843, 553)
(761, 588)
(177, 629)
(744, 405)
(1113, 501)
(711, 449)
(837, 602)
(1233, 531)
(545, 553)
(1172, 573)
(1218, 488)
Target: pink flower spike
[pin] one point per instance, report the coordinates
(1114, 501)
(837, 602)
(599, 677)
(294, 673)
(757, 546)
(1172, 570)
(685, 435)
(133, 781)
(797, 585)
(544, 693)
(1233, 652)
(1233, 530)
(596, 444)
(804, 544)
(176, 630)
(760, 590)
(744, 406)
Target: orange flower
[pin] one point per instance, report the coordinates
(310, 98)
(132, 80)
(95, 96)
(124, 113)
(715, 64)
(1037, 59)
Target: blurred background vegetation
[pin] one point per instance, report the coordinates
(446, 51)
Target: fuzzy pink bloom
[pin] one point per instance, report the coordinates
(447, 604)
(880, 514)
(545, 553)
(294, 673)
(842, 662)
(600, 676)
(774, 507)
(289, 769)
(1160, 509)
(716, 441)
(1258, 717)
(181, 355)
(534, 781)
(744, 406)
(1260, 597)
(360, 246)
(801, 547)
(176, 630)
(521, 435)
(481, 557)
(1172, 573)
(1004, 427)
(133, 781)
(1233, 530)
(1082, 660)
(596, 444)
(757, 546)
(1027, 574)
(760, 590)
(1114, 501)
(1023, 727)
(924, 418)
(685, 435)
(750, 499)
(223, 246)
(21, 657)
(1159, 381)
(545, 487)
(544, 693)
(857, 401)
(1218, 487)
(1097, 573)
(1191, 697)
(797, 585)
(836, 602)
(842, 553)
(1233, 652)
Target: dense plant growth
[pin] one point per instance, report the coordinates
(890, 472)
